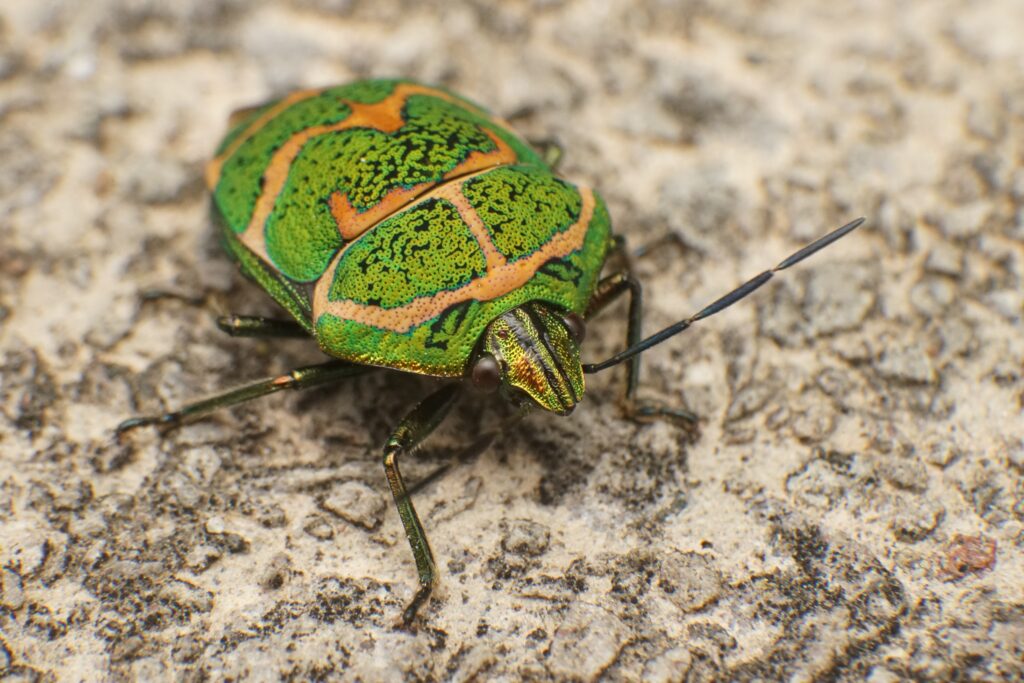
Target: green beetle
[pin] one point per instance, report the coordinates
(402, 226)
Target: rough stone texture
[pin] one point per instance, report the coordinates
(853, 506)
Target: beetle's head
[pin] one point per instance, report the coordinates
(532, 353)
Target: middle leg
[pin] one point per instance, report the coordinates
(258, 326)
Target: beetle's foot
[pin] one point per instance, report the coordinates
(409, 615)
(671, 241)
(549, 150)
(162, 421)
(149, 295)
(647, 412)
(133, 423)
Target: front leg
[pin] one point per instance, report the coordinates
(416, 426)
(608, 290)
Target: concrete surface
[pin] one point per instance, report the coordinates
(852, 508)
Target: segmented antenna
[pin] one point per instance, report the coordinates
(726, 301)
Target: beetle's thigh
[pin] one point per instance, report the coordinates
(300, 378)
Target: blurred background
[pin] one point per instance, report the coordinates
(853, 506)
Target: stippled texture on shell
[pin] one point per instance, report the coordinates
(851, 511)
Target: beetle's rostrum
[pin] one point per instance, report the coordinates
(403, 227)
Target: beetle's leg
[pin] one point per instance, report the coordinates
(149, 295)
(300, 378)
(236, 325)
(550, 151)
(258, 326)
(608, 290)
(239, 115)
(474, 449)
(416, 426)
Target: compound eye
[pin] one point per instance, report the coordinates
(486, 374)
(577, 328)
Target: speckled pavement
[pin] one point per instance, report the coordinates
(853, 507)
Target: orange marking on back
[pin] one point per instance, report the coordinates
(323, 283)
(214, 167)
(352, 223)
(385, 116)
(453, 193)
(498, 281)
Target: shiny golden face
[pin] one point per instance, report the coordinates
(533, 351)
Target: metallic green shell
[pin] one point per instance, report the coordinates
(396, 220)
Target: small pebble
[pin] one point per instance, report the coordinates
(357, 503)
(276, 572)
(524, 537)
(12, 594)
(906, 474)
(585, 643)
(918, 520)
(1015, 455)
(945, 259)
(318, 527)
(690, 580)
(202, 557)
(942, 454)
(910, 364)
(272, 517)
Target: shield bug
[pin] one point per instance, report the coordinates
(403, 227)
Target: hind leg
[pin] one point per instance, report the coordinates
(300, 378)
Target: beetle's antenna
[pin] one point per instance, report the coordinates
(726, 301)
